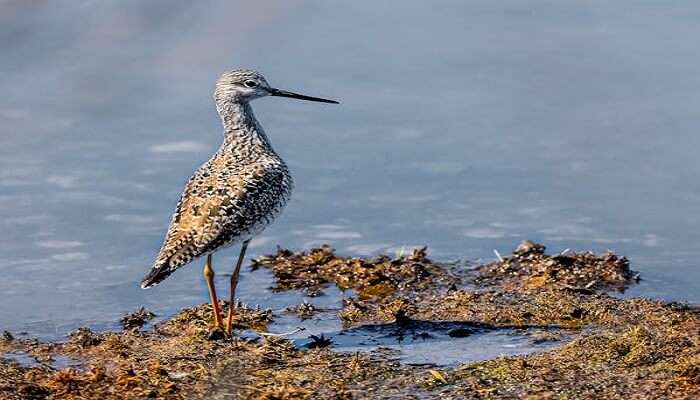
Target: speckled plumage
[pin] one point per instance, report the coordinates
(235, 194)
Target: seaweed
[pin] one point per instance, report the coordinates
(136, 319)
(620, 348)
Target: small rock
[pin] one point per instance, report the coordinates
(529, 247)
(460, 332)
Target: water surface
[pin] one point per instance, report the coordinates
(464, 125)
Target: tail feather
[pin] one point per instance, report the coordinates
(168, 261)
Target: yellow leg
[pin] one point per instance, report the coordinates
(209, 276)
(234, 283)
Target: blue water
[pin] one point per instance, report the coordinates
(435, 344)
(464, 125)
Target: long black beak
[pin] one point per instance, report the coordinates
(292, 95)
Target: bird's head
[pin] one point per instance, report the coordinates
(242, 86)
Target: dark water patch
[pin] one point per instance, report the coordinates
(22, 358)
(59, 362)
(439, 343)
(52, 361)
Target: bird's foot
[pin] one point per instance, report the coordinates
(229, 326)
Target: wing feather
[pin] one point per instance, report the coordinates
(216, 209)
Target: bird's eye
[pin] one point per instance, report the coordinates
(250, 84)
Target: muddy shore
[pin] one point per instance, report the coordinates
(617, 348)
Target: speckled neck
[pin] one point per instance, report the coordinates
(240, 126)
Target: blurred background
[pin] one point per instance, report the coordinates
(466, 126)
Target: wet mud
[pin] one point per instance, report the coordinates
(591, 345)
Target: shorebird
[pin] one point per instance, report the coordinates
(232, 197)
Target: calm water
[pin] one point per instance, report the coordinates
(466, 126)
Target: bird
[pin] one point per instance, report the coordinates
(233, 196)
